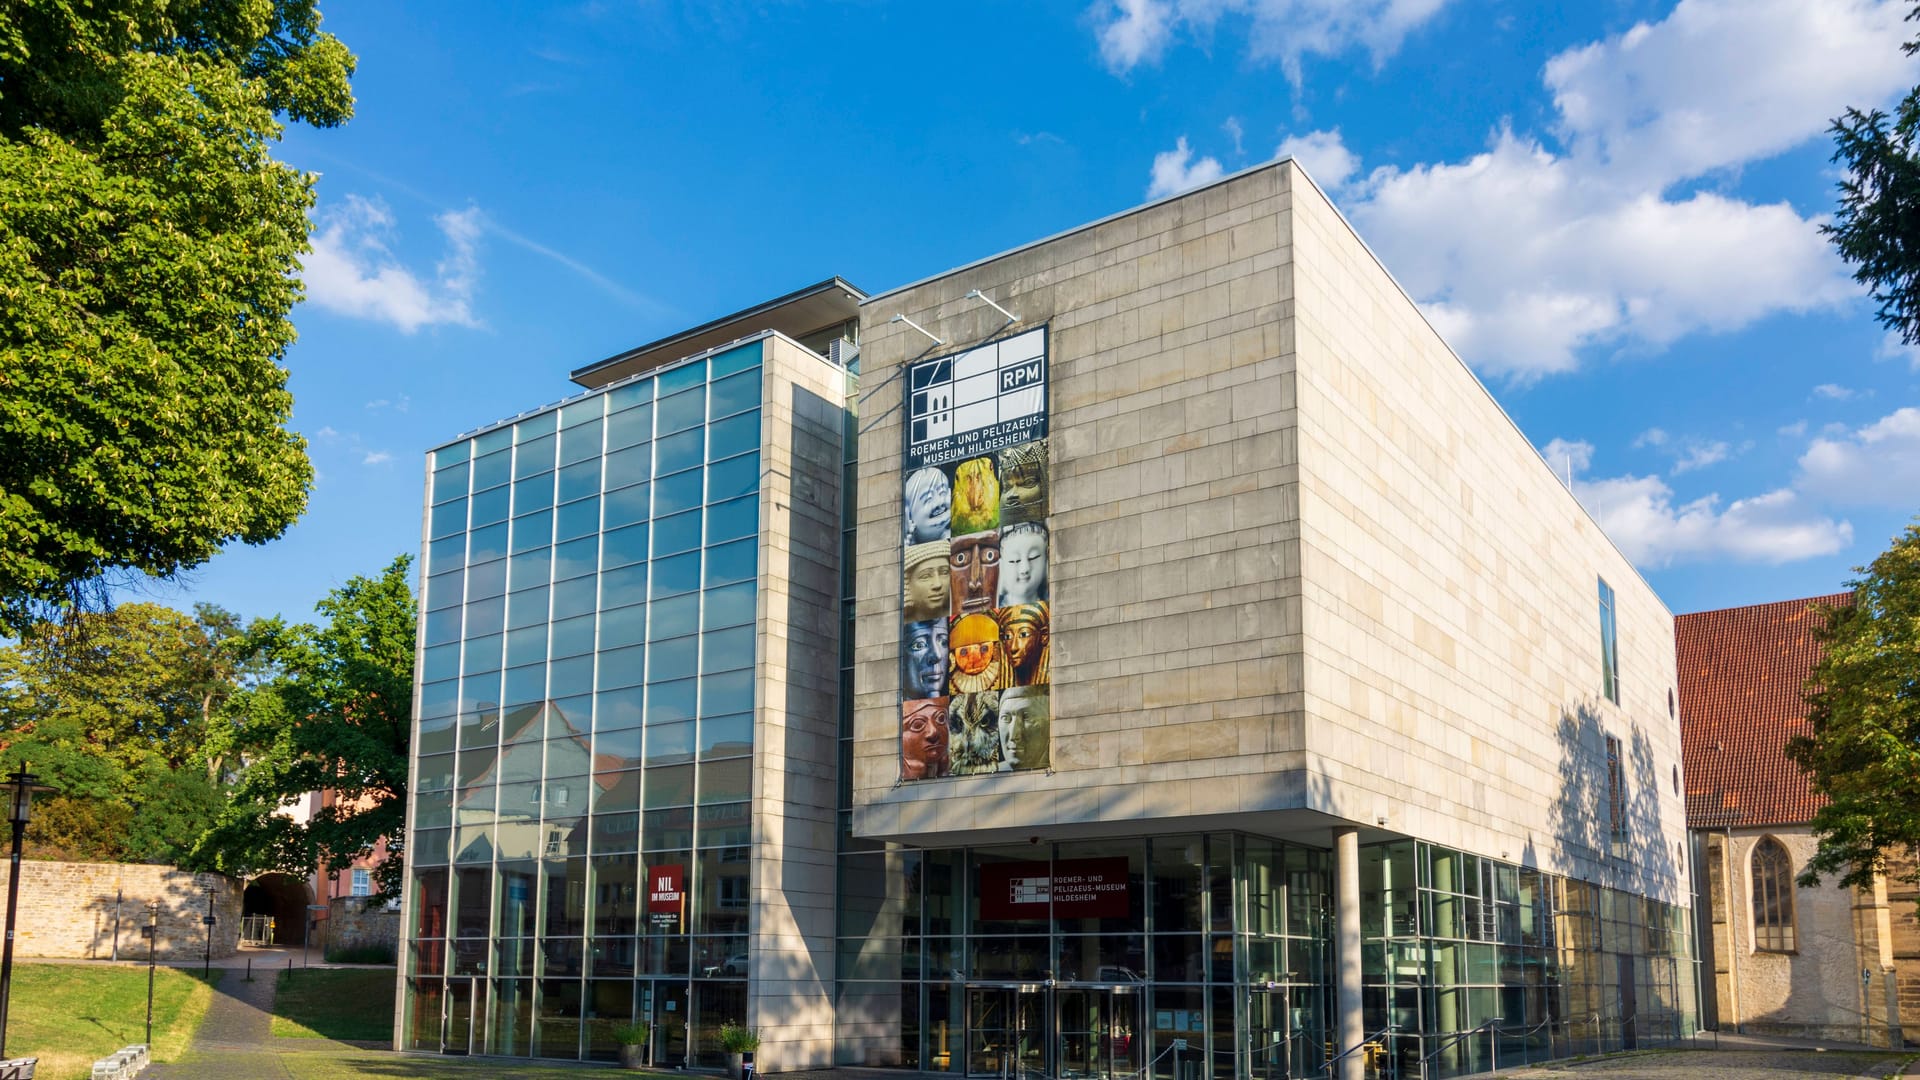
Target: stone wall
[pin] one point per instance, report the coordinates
(1903, 909)
(1817, 990)
(355, 922)
(69, 909)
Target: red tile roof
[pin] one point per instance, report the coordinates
(1741, 671)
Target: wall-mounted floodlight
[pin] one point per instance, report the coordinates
(902, 318)
(976, 294)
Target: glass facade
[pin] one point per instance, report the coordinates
(1219, 963)
(586, 722)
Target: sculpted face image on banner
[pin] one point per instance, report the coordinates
(975, 624)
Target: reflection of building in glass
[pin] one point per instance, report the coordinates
(1213, 686)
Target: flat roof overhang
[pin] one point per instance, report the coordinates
(797, 314)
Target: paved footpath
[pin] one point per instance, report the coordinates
(236, 1038)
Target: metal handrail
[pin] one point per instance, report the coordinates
(1365, 1041)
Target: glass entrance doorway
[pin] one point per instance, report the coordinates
(1073, 1033)
(1006, 1030)
(669, 1018)
(1098, 1033)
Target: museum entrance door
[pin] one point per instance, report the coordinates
(1006, 1029)
(463, 1016)
(1098, 1032)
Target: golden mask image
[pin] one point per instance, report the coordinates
(976, 497)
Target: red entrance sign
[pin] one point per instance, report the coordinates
(1068, 889)
(666, 889)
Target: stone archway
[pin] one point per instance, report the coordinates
(284, 899)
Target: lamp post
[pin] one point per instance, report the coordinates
(19, 807)
(153, 939)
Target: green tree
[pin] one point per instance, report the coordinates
(112, 710)
(148, 250)
(335, 716)
(1863, 750)
(1877, 227)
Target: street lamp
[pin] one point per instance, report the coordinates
(19, 808)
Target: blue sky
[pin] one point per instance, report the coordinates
(1610, 209)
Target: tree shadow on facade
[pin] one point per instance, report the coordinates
(1607, 812)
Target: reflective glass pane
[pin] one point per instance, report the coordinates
(726, 781)
(448, 518)
(443, 626)
(623, 546)
(484, 617)
(732, 692)
(730, 605)
(619, 708)
(526, 608)
(626, 506)
(572, 637)
(629, 466)
(735, 393)
(735, 435)
(673, 659)
(569, 677)
(576, 557)
(731, 562)
(533, 531)
(724, 650)
(578, 519)
(675, 534)
(535, 456)
(578, 481)
(486, 580)
(490, 506)
(541, 424)
(669, 786)
(492, 470)
(678, 574)
(733, 477)
(670, 744)
(676, 616)
(625, 585)
(450, 482)
(623, 626)
(530, 568)
(676, 453)
(629, 428)
(440, 662)
(680, 411)
(622, 667)
(488, 543)
(734, 519)
(724, 736)
(580, 443)
(576, 597)
(533, 494)
(524, 684)
(527, 645)
(447, 553)
(681, 491)
(670, 701)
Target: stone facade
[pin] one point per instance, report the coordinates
(1301, 561)
(796, 725)
(1840, 979)
(69, 910)
(358, 922)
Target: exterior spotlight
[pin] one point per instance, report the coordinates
(897, 317)
(976, 294)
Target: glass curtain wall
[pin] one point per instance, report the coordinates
(586, 720)
(1473, 964)
(1219, 934)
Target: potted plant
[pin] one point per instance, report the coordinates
(738, 1042)
(633, 1044)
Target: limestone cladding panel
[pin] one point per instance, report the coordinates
(68, 910)
(1175, 563)
(1903, 907)
(1817, 990)
(796, 728)
(1450, 584)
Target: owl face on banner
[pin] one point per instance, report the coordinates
(975, 616)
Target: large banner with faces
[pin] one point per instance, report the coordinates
(974, 619)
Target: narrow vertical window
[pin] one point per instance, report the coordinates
(1772, 897)
(1616, 799)
(1609, 646)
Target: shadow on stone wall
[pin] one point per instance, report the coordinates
(95, 911)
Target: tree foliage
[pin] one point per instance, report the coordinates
(1877, 226)
(1863, 752)
(148, 249)
(112, 710)
(336, 715)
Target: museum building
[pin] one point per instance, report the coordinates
(1168, 659)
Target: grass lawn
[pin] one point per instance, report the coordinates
(338, 1003)
(69, 1015)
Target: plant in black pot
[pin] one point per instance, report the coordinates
(633, 1044)
(738, 1042)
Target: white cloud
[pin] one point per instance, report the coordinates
(326, 433)
(1699, 455)
(1639, 513)
(1133, 32)
(400, 405)
(1175, 171)
(1237, 133)
(1793, 430)
(376, 457)
(1877, 465)
(1892, 348)
(1324, 156)
(1567, 455)
(353, 271)
(1598, 234)
(1832, 392)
